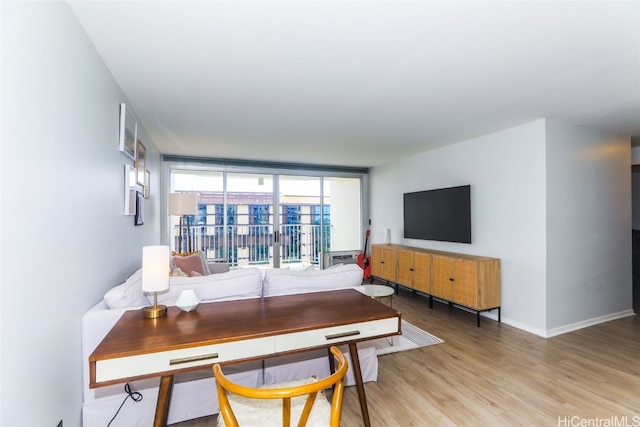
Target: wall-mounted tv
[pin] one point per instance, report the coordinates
(443, 214)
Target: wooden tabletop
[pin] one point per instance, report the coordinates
(226, 321)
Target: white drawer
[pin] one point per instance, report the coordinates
(336, 334)
(144, 364)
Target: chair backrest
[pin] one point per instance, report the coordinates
(285, 394)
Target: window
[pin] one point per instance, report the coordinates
(312, 212)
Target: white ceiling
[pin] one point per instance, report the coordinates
(364, 82)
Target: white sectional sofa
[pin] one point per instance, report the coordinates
(194, 393)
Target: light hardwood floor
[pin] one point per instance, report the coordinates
(497, 375)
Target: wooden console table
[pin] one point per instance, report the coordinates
(234, 331)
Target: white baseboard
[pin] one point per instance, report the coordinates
(566, 328)
(589, 322)
(524, 327)
(549, 332)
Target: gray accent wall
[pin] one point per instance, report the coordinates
(64, 238)
(588, 225)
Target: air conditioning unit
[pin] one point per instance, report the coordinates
(340, 257)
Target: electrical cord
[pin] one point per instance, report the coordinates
(134, 395)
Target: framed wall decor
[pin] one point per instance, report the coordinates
(141, 160)
(139, 218)
(129, 190)
(147, 181)
(128, 132)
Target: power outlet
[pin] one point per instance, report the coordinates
(59, 424)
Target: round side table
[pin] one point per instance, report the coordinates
(378, 292)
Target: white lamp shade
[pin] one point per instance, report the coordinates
(155, 268)
(183, 204)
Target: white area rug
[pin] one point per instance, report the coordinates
(412, 337)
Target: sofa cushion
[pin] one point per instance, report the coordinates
(218, 267)
(285, 282)
(128, 294)
(235, 284)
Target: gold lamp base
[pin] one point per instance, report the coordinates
(154, 311)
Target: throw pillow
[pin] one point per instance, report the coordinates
(194, 261)
(176, 272)
(218, 267)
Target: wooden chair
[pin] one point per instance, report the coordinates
(274, 405)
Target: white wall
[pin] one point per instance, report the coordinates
(507, 175)
(64, 238)
(588, 225)
(552, 201)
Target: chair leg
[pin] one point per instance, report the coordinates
(332, 362)
(332, 365)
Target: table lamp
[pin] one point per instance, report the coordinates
(183, 204)
(155, 277)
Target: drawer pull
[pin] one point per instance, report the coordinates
(342, 335)
(193, 359)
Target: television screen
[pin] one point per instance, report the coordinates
(443, 214)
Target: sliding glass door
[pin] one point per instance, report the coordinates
(268, 219)
(317, 215)
(250, 219)
(300, 234)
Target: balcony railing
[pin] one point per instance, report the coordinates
(252, 245)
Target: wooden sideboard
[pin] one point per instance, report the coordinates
(465, 280)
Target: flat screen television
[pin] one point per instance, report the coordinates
(443, 214)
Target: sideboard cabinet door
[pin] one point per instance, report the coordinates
(422, 272)
(383, 262)
(405, 267)
(465, 283)
(442, 277)
(414, 269)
